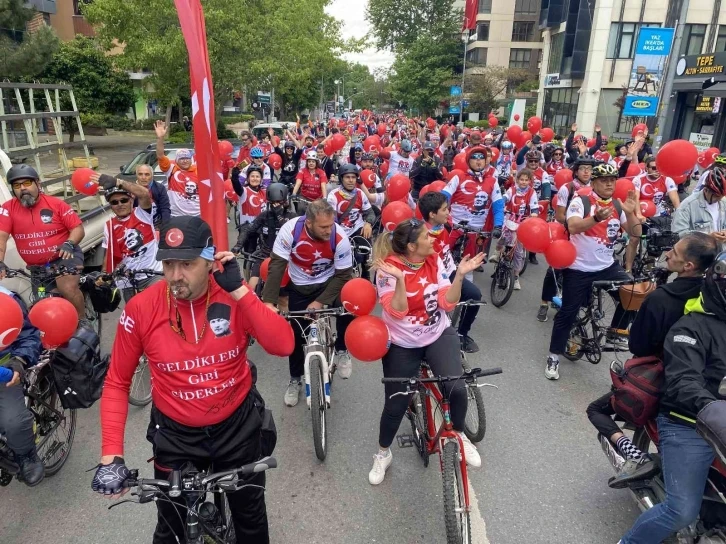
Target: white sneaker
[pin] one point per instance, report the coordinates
(292, 393)
(344, 364)
(473, 459)
(517, 286)
(552, 370)
(381, 463)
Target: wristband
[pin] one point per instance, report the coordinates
(596, 218)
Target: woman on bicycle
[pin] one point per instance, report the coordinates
(311, 182)
(415, 293)
(251, 202)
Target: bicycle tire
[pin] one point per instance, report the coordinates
(318, 408)
(45, 420)
(502, 285)
(524, 266)
(225, 515)
(419, 425)
(142, 376)
(92, 316)
(456, 518)
(475, 425)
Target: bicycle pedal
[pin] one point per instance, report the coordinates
(405, 441)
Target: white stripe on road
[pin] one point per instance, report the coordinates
(478, 527)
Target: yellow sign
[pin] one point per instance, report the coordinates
(704, 66)
(705, 104)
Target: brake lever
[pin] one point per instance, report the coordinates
(486, 385)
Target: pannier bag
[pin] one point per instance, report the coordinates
(637, 388)
(104, 296)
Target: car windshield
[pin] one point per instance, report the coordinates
(140, 158)
(261, 131)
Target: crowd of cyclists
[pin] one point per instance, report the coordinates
(309, 213)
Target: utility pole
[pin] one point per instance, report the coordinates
(463, 77)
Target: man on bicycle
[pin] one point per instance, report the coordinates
(594, 221)
(206, 410)
(435, 211)
(319, 260)
(47, 233)
(16, 421)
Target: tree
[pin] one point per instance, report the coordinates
(486, 86)
(23, 54)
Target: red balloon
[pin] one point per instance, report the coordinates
(81, 181)
(444, 172)
(461, 174)
(591, 142)
(265, 269)
(367, 338)
(547, 134)
(431, 123)
(710, 154)
(275, 161)
(437, 186)
(495, 154)
(372, 143)
(11, 320)
(225, 148)
(561, 254)
(56, 319)
(703, 161)
(493, 122)
(516, 117)
(534, 233)
(285, 278)
(328, 148)
(641, 165)
(525, 137)
(369, 178)
(394, 213)
(425, 189)
(544, 206)
(640, 127)
(622, 186)
(554, 202)
(562, 177)
(383, 169)
(342, 124)
(584, 191)
(680, 179)
(358, 296)
(647, 208)
(460, 162)
(633, 170)
(534, 124)
(381, 129)
(398, 187)
(557, 231)
(445, 131)
(417, 212)
(339, 141)
(514, 132)
(676, 158)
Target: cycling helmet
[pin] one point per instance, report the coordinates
(255, 168)
(716, 181)
(532, 155)
(20, 172)
(257, 153)
(358, 147)
(289, 144)
(312, 156)
(406, 146)
(720, 159)
(584, 161)
(604, 170)
(367, 157)
(714, 287)
(347, 169)
(506, 146)
(116, 190)
(277, 192)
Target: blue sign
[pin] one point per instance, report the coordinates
(654, 41)
(641, 106)
(465, 103)
(454, 109)
(648, 71)
(455, 90)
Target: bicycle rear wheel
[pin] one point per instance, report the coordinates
(92, 316)
(456, 517)
(140, 392)
(318, 408)
(576, 343)
(475, 425)
(502, 285)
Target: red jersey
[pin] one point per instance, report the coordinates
(251, 204)
(38, 231)
(521, 205)
(472, 197)
(244, 154)
(183, 188)
(312, 183)
(603, 156)
(197, 382)
(555, 166)
(442, 247)
(131, 240)
(619, 160)
(266, 148)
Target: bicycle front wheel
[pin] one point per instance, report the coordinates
(140, 392)
(475, 425)
(502, 285)
(226, 528)
(456, 516)
(318, 408)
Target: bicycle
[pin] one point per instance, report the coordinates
(362, 251)
(54, 427)
(459, 244)
(204, 519)
(319, 368)
(502, 284)
(433, 432)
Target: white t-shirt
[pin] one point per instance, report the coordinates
(713, 209)
(399, 165)
(354, 219)
(654, 190)
(595, 245)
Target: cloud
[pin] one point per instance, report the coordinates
(352, 14)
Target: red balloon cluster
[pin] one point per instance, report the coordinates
(275, 161)
(81, 181)
(561, 254)
(534, 233)
(56, 319)
(11, 320)
(225, 149)
(358, 296)
(394, 213)
(367, 338)
(551, 239)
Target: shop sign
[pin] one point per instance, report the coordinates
(700, 140)
(708, 104)
(700, 65)
(553, 80)
(646, 74)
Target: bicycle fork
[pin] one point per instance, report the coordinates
(317, 350)
(446, 434)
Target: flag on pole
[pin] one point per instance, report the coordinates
(206, 151)
(470, 11)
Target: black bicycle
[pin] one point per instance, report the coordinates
(205, 519)
(362, 253)
(457, 249)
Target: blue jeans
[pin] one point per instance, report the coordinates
(686, 459)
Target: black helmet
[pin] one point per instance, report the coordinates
(116, 190)
(347, 169)
(716, 181)
(22, 171)
(532, 155)
(604, 170)
(367, 157)
(254, 168)
(584, 161)
(277, 192)
(288, 143)
(714, 288)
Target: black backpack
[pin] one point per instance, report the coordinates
(586, 204)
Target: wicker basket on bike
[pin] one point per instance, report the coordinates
(633, 295)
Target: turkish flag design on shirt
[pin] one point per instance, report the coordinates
(555, 166)
(251, 204)
(603, 156)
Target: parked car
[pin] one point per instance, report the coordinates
(260, 130)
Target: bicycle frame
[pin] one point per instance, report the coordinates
(315, 347)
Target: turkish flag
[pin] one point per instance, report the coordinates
(206, 150)
(470, 12)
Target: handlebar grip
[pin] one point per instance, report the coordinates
(258, 466)
(491, 371)
(175, 483)
(395, 380)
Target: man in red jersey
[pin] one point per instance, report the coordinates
(194, 328)
(46, 230)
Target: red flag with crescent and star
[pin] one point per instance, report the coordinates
(472, 8)
(206, 152)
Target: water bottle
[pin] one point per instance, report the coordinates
(314, 332)
(557, 301)
(6, 374)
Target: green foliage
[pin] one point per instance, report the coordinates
(223, 132)
(489, 85)
(530, 110)
(23, 55)
(233, 119)
(180, 138)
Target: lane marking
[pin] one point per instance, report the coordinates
(478, 526)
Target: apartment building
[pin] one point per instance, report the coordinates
(62, 15)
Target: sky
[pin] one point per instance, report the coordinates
(352, 13)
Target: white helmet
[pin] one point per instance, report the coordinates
(312, 156)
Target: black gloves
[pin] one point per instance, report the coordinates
(107, 182)
(68, 247)
(496, 232)
(109, 479)
(230, 278)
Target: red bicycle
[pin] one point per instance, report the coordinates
(432, 432)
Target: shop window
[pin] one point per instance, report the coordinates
(560, 109)
(522, 32)
(721, 39)
(693, 38)
(477, 56)
(485, 6)
(520, 58)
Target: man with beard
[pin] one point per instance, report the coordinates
(39, 241)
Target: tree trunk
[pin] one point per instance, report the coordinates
(168, 119)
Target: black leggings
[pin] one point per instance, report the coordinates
(444, 358)
(600, 414)
(549, 285)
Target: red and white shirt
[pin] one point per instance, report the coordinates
(312, 183)
(398, 164)
(182, 188)
(603, 156)
(38, 231)
(472, 197)
(654, 190)
(442, 246)
(595, 245)
(541, 177)
(555, 166)
(197, 382)
(521, 205)
(426, 319)
(312, 261)
(353, 222)
(618, 160)
(131, 241)
(251, 204)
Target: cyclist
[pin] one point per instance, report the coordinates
(557, 162)
(415, 293)
(401, 161)
(426, 168)
(158, 193)
(206, 410)
(435, 210)
(594, 222)
(290, 162)
(602, 153)
(719, 161)
(16, 421)
(181, 175)
(319, 261)
(129, 237)
(654, 186)
(251, 201)
(47, 233)
(704, 210)
(248, 142)
(311, 182)
(258, 162)
(355, 154)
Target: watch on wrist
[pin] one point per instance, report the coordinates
(596, 218)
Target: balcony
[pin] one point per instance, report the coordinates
(81, 26)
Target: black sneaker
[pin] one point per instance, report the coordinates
(634, 470)
(32, 469)
(533, 258)
(542, 313)
(468, 345)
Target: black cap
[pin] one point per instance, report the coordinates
(183, 238)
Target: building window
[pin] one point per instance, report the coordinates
(477, 56)
(560, 109)
(525, 7)
(482, 32)
(556, 46)
(623, 39)
(520, 58)
(485, 6)
(693, 38)
(721, 39)
(522, 32)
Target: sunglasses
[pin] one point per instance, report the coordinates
(25, 183)
(556, 154)
(414, 224)
(652, 168)
(478, 156)
(119, 201)
(534, 161)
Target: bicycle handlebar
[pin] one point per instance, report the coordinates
(609, 284)
(470, 374)
(472, 303)
(322, 311)
(468, 230)
(251, 256)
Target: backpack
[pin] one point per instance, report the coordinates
(637, 389)
(585, 204)
(297, 232)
